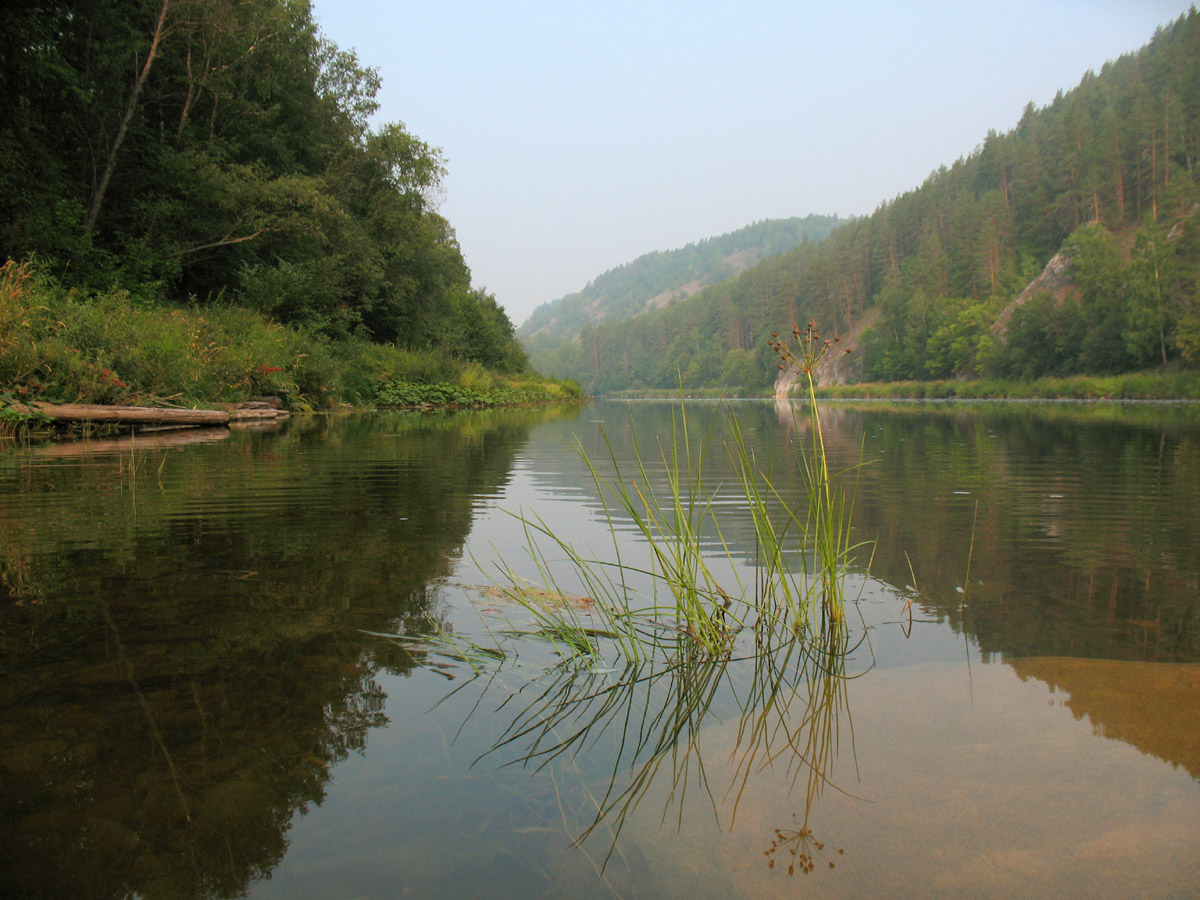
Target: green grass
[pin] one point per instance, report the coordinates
(64, 346)
(1153, 384)
(680, 590)
(408, 394)
(1150, 385)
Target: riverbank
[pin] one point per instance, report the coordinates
(61, 346)
(1155, 384)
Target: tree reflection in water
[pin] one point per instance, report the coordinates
(181, 667)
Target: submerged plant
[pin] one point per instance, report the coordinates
(648, 651)
(681, 590)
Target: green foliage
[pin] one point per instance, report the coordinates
(478, 330)
(224, 150)
(410, 394)
(1187, 339)
(1151, 317)
(1044, 338)
(66, 345)
(741, 369)
(18, 420)
(1105, 167)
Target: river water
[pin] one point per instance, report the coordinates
(256, 663)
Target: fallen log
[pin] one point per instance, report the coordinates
(125, 415)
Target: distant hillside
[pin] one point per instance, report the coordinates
(1070, 244)
(658, 279)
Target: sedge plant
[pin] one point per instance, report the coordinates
(828, 516)
(683, 587)
(651, 649)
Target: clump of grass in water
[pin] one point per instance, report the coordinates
(641, 671)
(686, 600)
(672, 528)
(644, 723)
(685, 589)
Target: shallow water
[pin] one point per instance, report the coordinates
(195, 701)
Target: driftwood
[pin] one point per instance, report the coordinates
(127, 415)
(251, 415)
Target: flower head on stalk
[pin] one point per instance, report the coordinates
(811, 348)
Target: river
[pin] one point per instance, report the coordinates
(290, 662)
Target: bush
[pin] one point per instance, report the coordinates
(408, 394)
(66, 346)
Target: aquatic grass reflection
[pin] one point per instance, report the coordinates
(674, 722)
(801, 845)
(642, 729)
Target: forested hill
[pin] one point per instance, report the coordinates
(200, 150)
(1105, 175)
(658, 279)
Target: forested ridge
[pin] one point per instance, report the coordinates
(1104, 174)
(222, 153)
(663, 277)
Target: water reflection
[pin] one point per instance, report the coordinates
(1080, 522)
(189, 705)
(1141, 704)
(643, 723)
(180, 639)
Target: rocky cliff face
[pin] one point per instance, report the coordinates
(1055, 279)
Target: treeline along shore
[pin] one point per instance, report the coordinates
(195, 209)
(1065, 247)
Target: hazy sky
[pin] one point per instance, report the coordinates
(579, 136)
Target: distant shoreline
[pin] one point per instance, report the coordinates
(1150, 385)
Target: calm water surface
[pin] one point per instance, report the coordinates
(198, 697)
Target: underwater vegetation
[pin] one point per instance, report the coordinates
(627, 656)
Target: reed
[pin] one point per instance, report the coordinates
(649, 650)
(827, 526)
(671, 525)
(683, 590)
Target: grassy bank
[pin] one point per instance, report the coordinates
(1149, 385)
(64, 346)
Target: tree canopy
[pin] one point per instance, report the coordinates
(664, 277)
(225, 150)
(1106, 173)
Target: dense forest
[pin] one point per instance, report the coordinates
(664, 277)
(1105, 175)
(221, 152)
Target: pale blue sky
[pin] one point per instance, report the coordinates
(580, 136)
